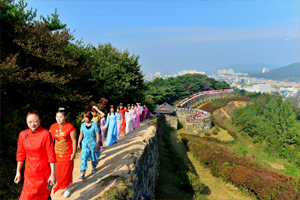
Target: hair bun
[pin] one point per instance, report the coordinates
(61, 109)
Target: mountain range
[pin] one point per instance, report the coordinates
(287, 73)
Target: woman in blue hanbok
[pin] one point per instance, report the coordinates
(111, 123)
(89, 131)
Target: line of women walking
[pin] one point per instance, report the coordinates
(50, 154)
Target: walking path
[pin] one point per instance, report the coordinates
(114, 160)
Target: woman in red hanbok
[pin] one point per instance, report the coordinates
(64, 135)
(36, 146)
(123, 125)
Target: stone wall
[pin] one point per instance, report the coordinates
(171, 121)
(146, 171)
(203, 97)
(194, 125)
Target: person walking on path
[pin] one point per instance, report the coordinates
(103, 129)
(133, 116)
(128, 119)
(137, 115)
(64, 136)
(89, 131)
(36, 146)
(123, 125)
(111, 123)
(119, 122)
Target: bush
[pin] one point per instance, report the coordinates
(215, 132)
(243, 171)
(217, 127)
(207, 133)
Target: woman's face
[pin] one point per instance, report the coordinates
(33, 122)
(60, 118)
(112, 110)
(86, 119)
(118, 110)
(121, 107)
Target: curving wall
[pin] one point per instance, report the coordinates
(187, 115)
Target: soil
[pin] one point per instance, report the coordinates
(113, 161)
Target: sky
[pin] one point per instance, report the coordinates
(186, 35)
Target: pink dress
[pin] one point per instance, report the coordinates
(119, 122)
(137, 114)
(103, 128)
(133, 118)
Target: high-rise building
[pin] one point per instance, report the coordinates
(265, 70)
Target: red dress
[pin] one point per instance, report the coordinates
(37, 148)
(122, 128)
(63, 151)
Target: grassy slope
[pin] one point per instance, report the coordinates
(214, 188)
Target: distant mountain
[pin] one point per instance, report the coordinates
(288, 73)
(254, 67)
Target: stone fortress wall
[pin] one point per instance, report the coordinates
(187, 116)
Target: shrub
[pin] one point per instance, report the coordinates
(207, 133)
(217, 127)
(243, 171)
(215, 132)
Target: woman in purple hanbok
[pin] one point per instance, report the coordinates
(119, 122)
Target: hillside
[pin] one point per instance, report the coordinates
(253, 67)
(287, 73)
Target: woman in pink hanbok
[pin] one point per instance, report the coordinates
(103, 129)
(137, 115)
(133, 116)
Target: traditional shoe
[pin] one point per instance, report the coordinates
(82, 173)
(67, 192)
(93, 170)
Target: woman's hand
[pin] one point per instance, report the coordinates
(97, 147)
(52, 179)
(18, 177)
(72, 156)
(78, 146)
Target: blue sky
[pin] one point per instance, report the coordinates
(178, 35)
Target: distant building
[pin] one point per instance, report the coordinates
(265, 70)
(262, 88)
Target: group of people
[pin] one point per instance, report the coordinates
(197, 114)
(50, 153)
(200, 93)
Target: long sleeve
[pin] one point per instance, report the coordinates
(107, 120)
(50, 148)
(21, 154)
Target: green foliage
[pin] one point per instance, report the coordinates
(244, 172)
(116, 75)
(287, 73)
(207, 133)
(273, 120)
(190, 181)
(214, 131)
(173, 89)
(44, 68)
(241, 148)
(217, 127)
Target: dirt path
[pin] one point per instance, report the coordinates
(113, 161)
(216, 188)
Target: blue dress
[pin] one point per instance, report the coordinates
(89, 143)
(112, 135)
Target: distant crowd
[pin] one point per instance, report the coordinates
(201, 93)
(197, 114)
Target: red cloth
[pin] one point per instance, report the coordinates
(63, 151)
(123, 125)
(37, 148)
